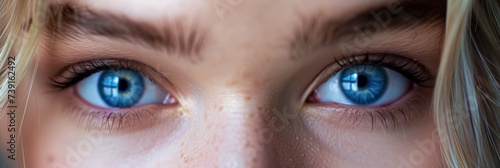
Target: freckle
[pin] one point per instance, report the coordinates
(232, 83)
(184, 158)
(221, 108)
(50, 159)
(248, 98)
(247, 144)
(205, 116)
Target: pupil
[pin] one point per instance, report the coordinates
(362, 81)
(122, 85)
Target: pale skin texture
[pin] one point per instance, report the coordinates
(230, 97)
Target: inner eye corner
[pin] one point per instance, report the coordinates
(312, 97)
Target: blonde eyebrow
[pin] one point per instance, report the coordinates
(70, 20)
(319, 31)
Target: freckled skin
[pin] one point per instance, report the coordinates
(231, 104)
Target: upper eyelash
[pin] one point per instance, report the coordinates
(410, 68)
(82, 70)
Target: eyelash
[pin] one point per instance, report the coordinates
(385, 117)
(410, 68)
(105, 119)
(82, 70)
(388, 115)
(109, 120)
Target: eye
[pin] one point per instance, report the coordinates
(363, 85)
(120, 89)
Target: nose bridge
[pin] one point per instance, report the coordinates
(238, 109)
(241, 132)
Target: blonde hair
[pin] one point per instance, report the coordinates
(16, 17)
(467, 93)
(20, 23)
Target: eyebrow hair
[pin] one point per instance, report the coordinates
(68, 20)
(318, 31)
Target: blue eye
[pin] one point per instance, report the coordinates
(120, 89)
(363, 85)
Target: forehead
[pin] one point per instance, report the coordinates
(225, 18)
(232, 11)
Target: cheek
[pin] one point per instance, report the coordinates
(411, 146)
(53, 141)
(423, 150)
(50, 139)
(46, 136)
(55, 138)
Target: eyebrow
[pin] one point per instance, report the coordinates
(319, 31)
(68, 20)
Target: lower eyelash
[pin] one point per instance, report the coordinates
(109, 120)
(104, 120)
(388, 117)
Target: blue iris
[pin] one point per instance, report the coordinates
(121, 88)
(364, 84)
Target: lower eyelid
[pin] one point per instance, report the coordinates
(399, 114)
(114, 120)
(89, 117)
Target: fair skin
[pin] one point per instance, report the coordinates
(242, 95)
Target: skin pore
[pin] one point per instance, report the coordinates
(242, 77)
